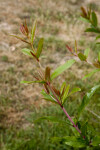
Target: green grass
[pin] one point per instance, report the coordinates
(39, 135)
(4, 58)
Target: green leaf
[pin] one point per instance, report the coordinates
(65, 94)
(48, 97)
(75, 142)
(86, 52)
(75, 47)
(29, 82)
(62, 68)
(71, 141)
(27, 51)
(82, 57)
(73, 129)
(74, 90)
(62, 87)
(90, 74)
(96, 141)
(98, 37)
(52, 119)
(92, 30)
(33, 31)
(99, 57)
(86, 99)
(94, 19)
(84, 19)
(40, 46)
(84, 128)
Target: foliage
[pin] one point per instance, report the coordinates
(82, 136)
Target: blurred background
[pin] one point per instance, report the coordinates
(58, 22)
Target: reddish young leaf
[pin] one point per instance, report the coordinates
(36, 77)
(34, 56)
(47, 74)
(97, 64)
(22, 29)
(26, 28)
(40, 74)
(69, 48)
(57, 92)
(46, 88)
(84, 13)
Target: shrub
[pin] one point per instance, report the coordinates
(84, 136)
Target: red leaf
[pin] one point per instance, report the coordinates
(26, 28)
(22, 29)
(47, 74)
(84, 12)
(46, 88)
(34, 56)
(57, 92)
(69, 48)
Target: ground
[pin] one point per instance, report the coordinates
(58, 22)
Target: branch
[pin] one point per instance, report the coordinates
(64, 109)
